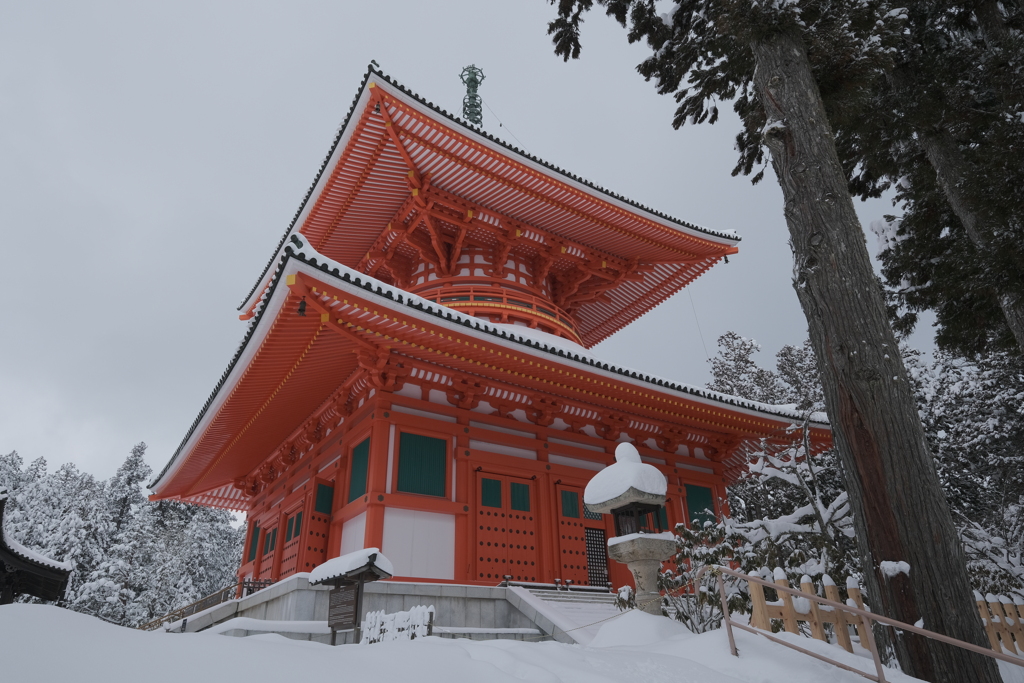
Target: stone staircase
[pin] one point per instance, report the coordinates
(579, 614)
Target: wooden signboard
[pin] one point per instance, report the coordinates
(341, 608)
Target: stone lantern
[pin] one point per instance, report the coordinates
(633, 492)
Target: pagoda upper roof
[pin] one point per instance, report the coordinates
(288, 366)
(394, 144)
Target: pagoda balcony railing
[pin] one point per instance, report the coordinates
(499, 301)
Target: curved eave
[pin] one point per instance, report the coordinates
(356, 120)
(305, 260)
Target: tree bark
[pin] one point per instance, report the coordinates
(899, 508)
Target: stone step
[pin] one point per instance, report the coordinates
(565, 596)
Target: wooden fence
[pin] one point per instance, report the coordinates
(1002, 618)
(791, 610)
(1000, 615)
(805, 605)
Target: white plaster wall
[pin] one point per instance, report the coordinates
(420, 544)
(353, 534)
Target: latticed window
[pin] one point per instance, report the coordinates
(421, 465)
(360, 467)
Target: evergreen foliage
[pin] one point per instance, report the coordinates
(944, 127)
(134, 560)
(790, 511)
(926, 99)
(974, 413)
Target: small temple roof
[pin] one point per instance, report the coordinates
(297, 374)
(364, 184)
(366, 560)
(30, 572)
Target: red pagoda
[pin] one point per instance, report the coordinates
(416, 374)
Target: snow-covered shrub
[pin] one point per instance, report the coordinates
(696, 602)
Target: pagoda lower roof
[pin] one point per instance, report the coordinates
(394, 144)
(289, 365)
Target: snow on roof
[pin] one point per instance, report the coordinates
(28, 553)
(625, 473)
(471, 130)
(297, 248)
(339, 566)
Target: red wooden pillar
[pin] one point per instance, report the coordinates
(548, 526)
(463, 489)
(377, 475)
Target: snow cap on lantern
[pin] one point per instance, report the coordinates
(628, 480)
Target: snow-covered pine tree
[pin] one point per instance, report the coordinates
(974, 413)
(133, 559)
(62, 516)
(162, 556)
(792, 510)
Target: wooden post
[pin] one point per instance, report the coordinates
(814, 618)
(725, 616)
(759, 615)
(842, 628)
(999, 623)
(853, 590)
(359, 612)
(986, 619)
(868, 637)
(788, 611)
(1015, 609)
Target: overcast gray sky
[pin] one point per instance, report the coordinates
(152, 154)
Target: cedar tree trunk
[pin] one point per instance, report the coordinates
(899, 508)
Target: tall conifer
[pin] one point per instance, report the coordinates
(779, 62)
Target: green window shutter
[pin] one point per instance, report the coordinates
(324, 499)
(490, 493)
(520, 496)
(570, 504)
(360, 466)
(298, 524)
(254, 543)
(290, 531)
(699, 500)
(269, 541)
(662, 519)
(421, 465)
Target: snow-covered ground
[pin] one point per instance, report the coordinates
(47, 644)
